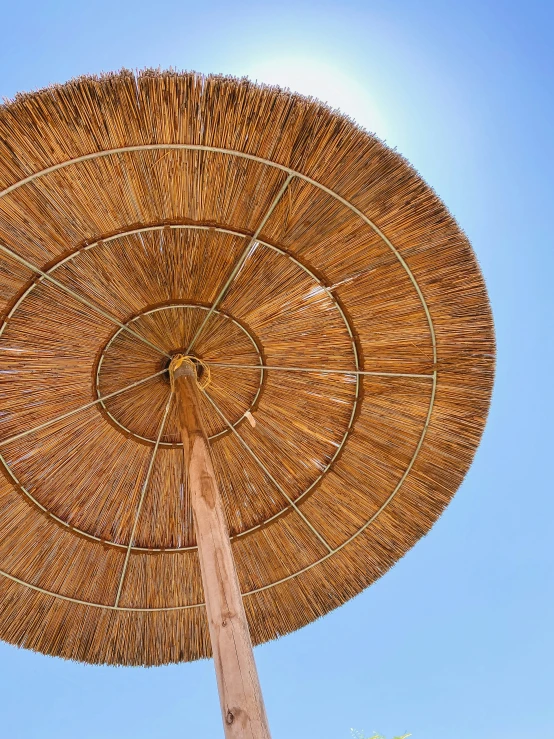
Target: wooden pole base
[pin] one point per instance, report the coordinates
(240, 694)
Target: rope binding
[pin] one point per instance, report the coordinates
(199, 368)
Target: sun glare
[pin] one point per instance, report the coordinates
(326, 82)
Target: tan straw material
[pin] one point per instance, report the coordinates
(339, 312)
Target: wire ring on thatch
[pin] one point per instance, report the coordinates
(175, 361)
(146, 229)
(264, 587)
(291, 172)
(168, 306)
(129, 431)
(332, 551)
(74, 529)
(405, 450)
(242, 533)
(243, 155)
(223, 230)
(321, 286)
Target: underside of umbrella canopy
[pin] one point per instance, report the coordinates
(334, 302)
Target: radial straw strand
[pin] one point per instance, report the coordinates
(321, 370)
(266, 471)
(141, 500)
(78, 297)
(240, 261)
(84, 407)
(154, 196)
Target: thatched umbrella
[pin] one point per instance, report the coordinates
(209, 265)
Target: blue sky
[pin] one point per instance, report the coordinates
(457, 640)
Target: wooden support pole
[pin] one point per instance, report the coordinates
(240, 694)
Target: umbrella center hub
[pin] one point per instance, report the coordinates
(126, 360)
(201, 368)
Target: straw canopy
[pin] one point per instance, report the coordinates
(331, 301)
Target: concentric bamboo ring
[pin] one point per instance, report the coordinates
(335, 300)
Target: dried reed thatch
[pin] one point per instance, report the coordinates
(130, 207)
